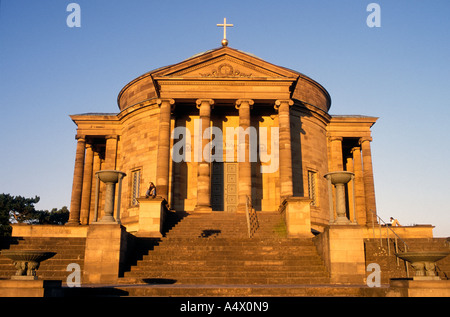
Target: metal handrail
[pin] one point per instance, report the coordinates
(388, 228)
(252, 219)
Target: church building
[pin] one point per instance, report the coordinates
(224, 131)
(254, 182)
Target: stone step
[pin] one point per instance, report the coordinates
(226, 267)
(242, 276)
(215, 249)
(225, 279)
(195, 241)
(176, 290)
(194, 245)
(238, 260)
(391, 268)
(52, 240)
(224, 262)
(68, 250)
(200, 258)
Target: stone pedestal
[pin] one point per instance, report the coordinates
(298, 216)
(110, 178)
(415, 288)
(339, 179)
(151, 217)
(106, 244)
(342, 248)
(30, 288)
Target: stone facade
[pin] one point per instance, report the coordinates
(226, 89)
(220, 134)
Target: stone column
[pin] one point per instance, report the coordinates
(360, 200)
(87, 185)
(245, 166)
(336, 154)
(77, 185)
(351, 191)
(95, 192)
(110, 152)
(369, 185)
(285, 153)
(204, 173)
(163, 158)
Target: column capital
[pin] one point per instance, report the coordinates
(363, 139)
(356, 148)
(335, 138)
(279, 102)
(111, 136)
(199, 102)
(239, 102)
(80, 137)
(169, 100)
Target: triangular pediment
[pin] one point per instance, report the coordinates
(224, 67)
(224, 74)
(225, 63)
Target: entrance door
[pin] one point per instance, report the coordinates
(231, 187)
(224, 186)
(217, 186)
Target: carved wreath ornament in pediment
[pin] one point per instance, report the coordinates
(225, 70)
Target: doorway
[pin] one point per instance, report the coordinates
(224, 186)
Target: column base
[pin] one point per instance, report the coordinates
(341, 221)
(72, 223)
(203, 209)
(107, 219)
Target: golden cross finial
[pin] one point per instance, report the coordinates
(224, 25)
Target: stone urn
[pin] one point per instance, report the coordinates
(27, 262)
(423, 262)
(110, 178)
(339, 179)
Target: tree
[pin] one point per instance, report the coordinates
(54, 217)
(20, 209)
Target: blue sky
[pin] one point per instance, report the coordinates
(398, 72)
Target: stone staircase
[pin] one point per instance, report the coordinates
(68, 250)
(393, 268)
(212, 254)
